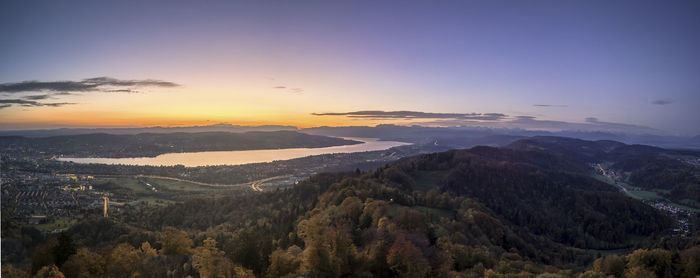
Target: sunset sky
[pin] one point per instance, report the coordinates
(608, 65)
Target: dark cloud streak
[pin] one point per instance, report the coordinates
(97, 84)
(288, 89)
(37, 97)
(6, 103)
(377, 114)
(493, 120)
(662, 102)
(55, 89)
(550, 105)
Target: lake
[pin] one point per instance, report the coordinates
(194, 159)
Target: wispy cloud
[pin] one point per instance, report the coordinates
(37, 97)
(289, 89)
(550, 105)
(97, 84)
(57, 89)
(662, 101)
(493, 120)
(5, 103)
(378, 114)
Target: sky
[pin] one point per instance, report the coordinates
(619, 66)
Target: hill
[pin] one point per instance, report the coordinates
(153, 144)
(672, 174)
(136, 130)
(531, 208)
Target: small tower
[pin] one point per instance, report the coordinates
(106, 204)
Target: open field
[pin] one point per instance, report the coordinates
(157, 190)
(56, 223)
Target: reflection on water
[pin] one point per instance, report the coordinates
(240, 157)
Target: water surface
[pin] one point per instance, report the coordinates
(194, 159)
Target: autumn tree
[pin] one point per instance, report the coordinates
(84, 263)
(174, 242)
(316, 257)
(283, 264)
(147, 251)
(242, 272)
(123, 261)
(658, 261)
(49, 271)
(593, 274)
(639, 272)
(10, 271)
(406, 259)
(210, 261)
(610, 265)
(690, 258)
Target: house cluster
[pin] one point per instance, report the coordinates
(37, 197)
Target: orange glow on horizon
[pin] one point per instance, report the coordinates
(133, 121)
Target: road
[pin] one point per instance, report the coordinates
(253, 184)
(613, 180)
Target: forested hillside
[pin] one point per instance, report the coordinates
(153, 144)
(674, 174)
(521, 211)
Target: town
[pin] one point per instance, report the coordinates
(52, 195)
(680, 215)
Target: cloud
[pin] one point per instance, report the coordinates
(662, 101)
(378, 114)
(5, 103)
(550, 105)
(97, 84)
(589, 124)
(37, 97)
(121, 91)
(494, 120)
(288, 89)
(56, 89)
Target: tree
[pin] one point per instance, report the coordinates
(242, 272)
(10, 271)
(44, 255)
(657, 260)
(690, 258)
(84, 264)
(210, 261)
(406, 259)
(147, 251)
(174, 242)
(610, 265)
(593, 274)
(123, 261)
(64, 249)
(282, 264)
(639, 272)
(49, 271)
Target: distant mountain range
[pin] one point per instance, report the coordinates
(137, 130)
(465, 137)
(454, 137)
(153, 144)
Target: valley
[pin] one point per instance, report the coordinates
(548, 203)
